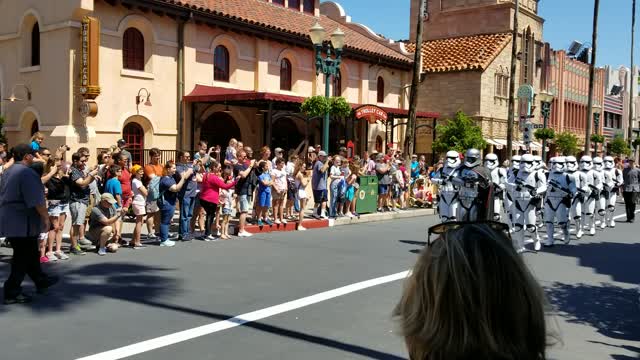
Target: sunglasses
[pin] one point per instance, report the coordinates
(443, 228)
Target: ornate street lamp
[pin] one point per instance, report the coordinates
(327, 65)
(546, 99)
(14, 98)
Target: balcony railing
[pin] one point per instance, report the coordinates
(141, 157)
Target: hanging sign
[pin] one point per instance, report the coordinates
(89, 53)
(372, 113)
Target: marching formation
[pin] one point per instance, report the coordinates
(569, 192)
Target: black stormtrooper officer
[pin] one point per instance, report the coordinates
(595, 186)
(448, 204)
(525, 188)
(560, 189)
(601, 202)
(613, 181)
(499, 179)
(580, 196)
(508, 196)
(542, 173)
(471, 180)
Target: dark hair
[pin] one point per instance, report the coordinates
(101, 155)
(279, 161)
(117, 156)
(42, 149)
(38, 167)
(262, 166)
(20, 151)
(113, 169)
(154, 152)
(76, 156)
(181, 153)
(203, 142)
(83, 150)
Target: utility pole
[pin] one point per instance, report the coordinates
(632, 74)
(592, 69)
(512, 81)
(415, 81)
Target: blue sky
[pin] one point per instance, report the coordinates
(566, 20)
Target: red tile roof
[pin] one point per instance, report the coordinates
(474, 52)
(289, 21)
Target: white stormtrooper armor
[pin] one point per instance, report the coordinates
(601, 202)
(595, 186)
(468, 180)
(560, 189)
(448, 204)
(580, 196)
(612, 182)
(512, 172)
(526, 188)
(499, 179)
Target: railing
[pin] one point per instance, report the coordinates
(142, 157)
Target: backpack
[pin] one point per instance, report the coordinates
(154, 189)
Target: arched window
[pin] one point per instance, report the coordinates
(379, 143)
(133, 50)
(285, 75)
(294, 4)
(35, 45)
(221, 64)
(278, 2)
(337, 84)
(309, 6)
(133, 134)
(380, 90)
(34, 127)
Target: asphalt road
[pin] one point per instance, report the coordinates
(154, 303)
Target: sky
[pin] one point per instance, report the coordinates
(565, 21)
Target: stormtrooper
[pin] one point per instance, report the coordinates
(448, 204)
(498, 178)
(601, 202)
(580, 196)
(542, 173)
(471, 181)
(512, 173)
(595, 186)
(526, 188)
(613, 181)
(560, 188)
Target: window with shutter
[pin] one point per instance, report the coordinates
(380, 89)
(133, 50)
(285, 75)
(221, 64)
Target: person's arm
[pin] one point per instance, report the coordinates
(245, 173)
(47, 177)
(44, 217)
(143, 190)
(266, 182)
(223, 185)
(108, 221)
(85, 181)
(178, 186)
(335, 177)
(325, 167)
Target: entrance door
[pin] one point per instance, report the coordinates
(285, 134)
(133, 134)
(218, 129)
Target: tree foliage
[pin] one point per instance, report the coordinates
(318, 105)
(3, 139)
(459, 134)
(340, 107)
(618, 146)
(567, 143)
(596, 138)
(635, 143)
(544, 134)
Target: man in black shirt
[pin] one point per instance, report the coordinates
(244, 190)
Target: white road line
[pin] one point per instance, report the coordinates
(239, 320)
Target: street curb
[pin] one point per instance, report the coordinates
(366, 218)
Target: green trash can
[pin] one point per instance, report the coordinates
(367, 194)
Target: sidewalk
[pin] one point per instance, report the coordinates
(384, 216)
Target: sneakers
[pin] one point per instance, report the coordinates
(102, 251)
(612, 224)
(167, 243)
(260, 223)
(277, 222)
(209, 238)
(537, 246)
(284, 221)
(316, 216)
(19, 299)
(61, 255)
(268, 222)
(152, 237)
(44, 259)
(592, 231)
(51, 256)
(244, 234)
(76, 250)
(84, 241)
(301, 228)
(324, 217)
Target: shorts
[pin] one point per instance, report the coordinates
(57, 208)
(319, 196)
(350, 193)
(245, 202)
(276, 195)
(226, 211)
(152, 207)
(139, 209)
(302, 194)
(126, 202)
(93, 234)
(78, 212)
(264, 199)
(383, 189)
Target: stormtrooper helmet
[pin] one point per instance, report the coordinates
(491, 161)
(472, 158)
(453, 159)
(608, 162)
(558, 164)
(586, 163)
(527, 164)
(571, 163)
(537, 161)
(515, 162)
(597, 163)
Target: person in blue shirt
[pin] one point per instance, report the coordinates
(264, 193)
(168, 196)
(113, 186)
(415, 168)
(36, 141)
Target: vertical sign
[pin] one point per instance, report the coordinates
(89, 53)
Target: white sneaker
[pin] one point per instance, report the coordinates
(538, 246)
(603, 225)
(103, 251)
(284, 221)
(612, 224)
(210, 238)
(350, 214)
(52, 257)
(61, 255)
(244, 234)
(579, 234)
(218, 233)
(521, 250)
(167, 243)
(301, 228)
(277, 222)
(324, 217)
(592, 231)
(152, 237)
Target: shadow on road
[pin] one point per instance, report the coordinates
(610, 309)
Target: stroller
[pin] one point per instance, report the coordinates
(421, 194)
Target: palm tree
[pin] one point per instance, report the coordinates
(594, 38)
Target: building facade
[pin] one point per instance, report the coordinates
(171, 73)
(618, 91)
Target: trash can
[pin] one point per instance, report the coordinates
(367, 194)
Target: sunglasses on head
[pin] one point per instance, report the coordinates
(443, 228)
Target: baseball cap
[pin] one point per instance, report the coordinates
(135, 168)
(278, 150)
(311, 149)
(122, 142)
(414, 156)
(108, 198)
(322, 153)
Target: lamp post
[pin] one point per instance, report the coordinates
(596, 123)
(546, 99)
(327, 65)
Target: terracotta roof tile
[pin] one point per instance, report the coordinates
(474, 52)
(275, 17)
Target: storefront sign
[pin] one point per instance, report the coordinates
(372, 113)
(89, 53)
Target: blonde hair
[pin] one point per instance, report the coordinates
(37, 135)
(470, 296)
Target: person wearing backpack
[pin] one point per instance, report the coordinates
(152, 174)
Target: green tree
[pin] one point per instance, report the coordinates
(459, 134)
(3, 139)
(567, 143)
(618, 146)
(544, 134)
(319, 105)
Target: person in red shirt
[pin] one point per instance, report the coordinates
(125, 182)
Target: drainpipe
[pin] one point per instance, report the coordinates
(180, 84)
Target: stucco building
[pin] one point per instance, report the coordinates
(169, 73)
(618, 91)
